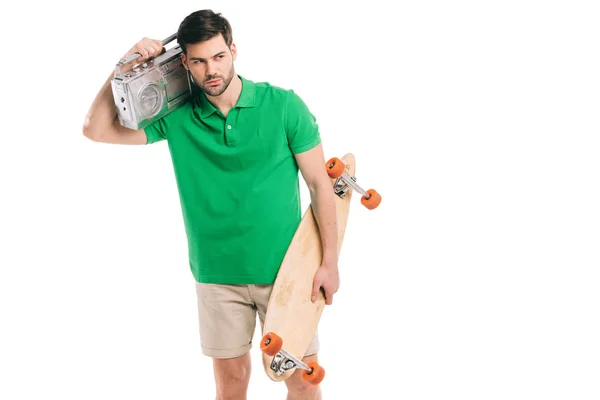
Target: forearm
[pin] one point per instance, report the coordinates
(102, 113)
(323, 205)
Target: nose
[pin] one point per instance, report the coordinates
(211, 68)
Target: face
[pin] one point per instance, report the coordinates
(211, 64)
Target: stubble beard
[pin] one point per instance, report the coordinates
(217, 90)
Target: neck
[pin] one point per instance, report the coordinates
(228, 99)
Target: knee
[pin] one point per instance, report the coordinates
(233, 381)
(231, 387)
(303, 390)
(299, 388)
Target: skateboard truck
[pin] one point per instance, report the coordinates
(283, 361)
(341, 186)
(336, 169)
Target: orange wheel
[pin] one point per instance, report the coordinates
(271, 344)
(316, 375)
(335, 168)
(373, 201)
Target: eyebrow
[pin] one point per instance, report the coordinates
(202, 59)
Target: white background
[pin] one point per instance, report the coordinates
(477, 278)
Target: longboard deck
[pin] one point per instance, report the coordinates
(290, 312)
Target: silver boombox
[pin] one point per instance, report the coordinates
(152, 89)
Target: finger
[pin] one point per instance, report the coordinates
(146, 42)
(316, 287)
(328, 296)
(149, 47)
(145, 47)
(142, 51)
(155, 48)
(157, 51)
(139, 46)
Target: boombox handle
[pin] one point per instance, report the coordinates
(137, 55)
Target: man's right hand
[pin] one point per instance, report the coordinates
(101, 123)
(147, 48)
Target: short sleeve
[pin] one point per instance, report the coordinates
(156, 131)
(300, 124)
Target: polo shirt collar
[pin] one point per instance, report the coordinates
(247, 98)
(248, 95)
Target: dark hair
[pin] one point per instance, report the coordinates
(203, 25)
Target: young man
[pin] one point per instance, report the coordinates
(236, 149)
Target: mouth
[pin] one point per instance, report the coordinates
(213, 82)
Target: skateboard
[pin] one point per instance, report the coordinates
(292, 318)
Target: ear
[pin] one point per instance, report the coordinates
(233, 51)
(184, 61)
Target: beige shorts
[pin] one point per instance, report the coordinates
(227, 316)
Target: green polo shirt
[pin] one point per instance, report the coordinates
(238, 180)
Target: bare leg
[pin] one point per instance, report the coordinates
(232, 376)
(298, 388)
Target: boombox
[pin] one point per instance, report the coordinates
(151, 89)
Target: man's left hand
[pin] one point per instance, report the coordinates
(328, 278)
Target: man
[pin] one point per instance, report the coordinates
(236, 148)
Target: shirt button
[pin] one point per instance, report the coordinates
(228, 126)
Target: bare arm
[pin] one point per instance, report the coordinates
(102, 123)
(312, 166)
